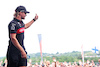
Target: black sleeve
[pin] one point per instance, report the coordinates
(13, 28)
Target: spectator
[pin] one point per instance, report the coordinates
(80, 62)
(93, 64)
(1, 63)
(5, 63)
(69, 64)
(29, 64)
(36, 65)
(62, 65)
(65, 63)
(48, 64)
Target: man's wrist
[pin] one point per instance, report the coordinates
(34, 20)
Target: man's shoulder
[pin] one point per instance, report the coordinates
(12, 25)
(13, 22)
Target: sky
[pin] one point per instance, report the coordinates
(65, 25)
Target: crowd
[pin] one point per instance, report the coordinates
(65, 64)
(55, 63)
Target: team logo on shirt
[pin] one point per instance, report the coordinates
(13, 26)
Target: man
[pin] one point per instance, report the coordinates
(16, 54)
(98, 63)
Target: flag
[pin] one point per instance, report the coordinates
(95, 50)
(40, 42)
(82, 53)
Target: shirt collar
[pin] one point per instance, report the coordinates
(17, 20)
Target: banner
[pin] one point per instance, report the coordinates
(82, 53)
(40, 42)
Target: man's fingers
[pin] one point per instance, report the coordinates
(36, 16)
(24, 56)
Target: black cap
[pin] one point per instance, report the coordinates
(21, 9)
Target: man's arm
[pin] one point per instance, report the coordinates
(17, 45)
(27, 25)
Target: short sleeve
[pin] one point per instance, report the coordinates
(12, 28)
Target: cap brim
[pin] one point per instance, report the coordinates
(27, 12)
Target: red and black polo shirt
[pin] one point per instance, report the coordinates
(16, 27)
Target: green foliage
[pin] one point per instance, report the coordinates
(68, 57)
(61, 57)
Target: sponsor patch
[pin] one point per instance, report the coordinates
(21, 30)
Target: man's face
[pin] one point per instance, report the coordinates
(23, 15)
